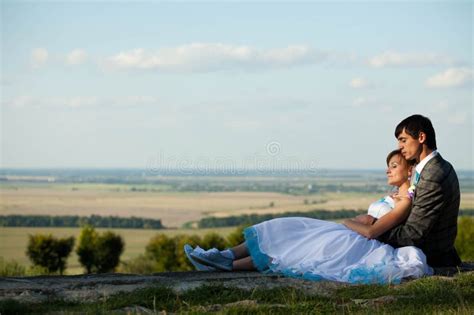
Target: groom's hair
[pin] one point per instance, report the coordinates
(415, 124)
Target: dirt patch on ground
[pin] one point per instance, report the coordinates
(97, 287)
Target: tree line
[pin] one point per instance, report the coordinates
(251, 219)
(78, 221)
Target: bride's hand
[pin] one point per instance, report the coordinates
(394, 194)
(364, 219)
(398, 196)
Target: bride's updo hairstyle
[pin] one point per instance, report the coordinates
(398, 152)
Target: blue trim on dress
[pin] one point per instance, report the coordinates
(260, 260)
(263, 262)
(361, 275)
(374, 274)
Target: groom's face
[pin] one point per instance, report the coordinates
(409, 146)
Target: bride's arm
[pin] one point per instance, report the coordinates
(385, 223)
(365, 219)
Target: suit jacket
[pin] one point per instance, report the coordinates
(432, 223)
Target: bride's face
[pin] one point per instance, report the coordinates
(397, 171)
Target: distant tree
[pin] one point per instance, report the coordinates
(75, 221)
(11, 268)
(464, 240)
(99, 252)
(141, 264)
(182, 262)
(168, 253)
(251, 219)
(236, 237)
(49, 252)
(162, 250)
(86, 247)
(108, 248)
(211, 240)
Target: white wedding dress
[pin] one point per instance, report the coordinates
(315, 250)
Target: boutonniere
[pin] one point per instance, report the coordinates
(411, 191)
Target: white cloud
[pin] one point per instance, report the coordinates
(453, 77)
(4, 81)
(392, 58)
(132, 101)
(386, 109)
(19, 101)
(453, 114)
(359, 83)
(288, 56)
(208, 57)
(80, 101)
(243, 125)
(39, 56)
(441, 106)
(364, 100)
(75, 57)
(457, 118)
(213, 57)
(373, 103)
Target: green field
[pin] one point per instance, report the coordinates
(13, 241)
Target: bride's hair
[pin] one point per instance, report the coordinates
(399, 153)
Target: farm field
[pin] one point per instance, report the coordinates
(173, 208)
(13, 241)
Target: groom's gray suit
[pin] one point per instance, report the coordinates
(432, 223)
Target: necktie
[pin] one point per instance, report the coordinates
(416, 178)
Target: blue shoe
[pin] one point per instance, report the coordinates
(188, 250)
(213, 258)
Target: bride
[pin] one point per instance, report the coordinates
(315, 249)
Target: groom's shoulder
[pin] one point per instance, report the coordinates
(438, 169)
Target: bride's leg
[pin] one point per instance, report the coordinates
(243, 264)
(240, 251)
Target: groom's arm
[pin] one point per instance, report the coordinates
(424, 214)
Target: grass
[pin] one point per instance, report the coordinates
(427, 296)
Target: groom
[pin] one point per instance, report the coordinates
(432, 223)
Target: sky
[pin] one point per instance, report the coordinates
(199, 84)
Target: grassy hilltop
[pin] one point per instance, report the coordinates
(434, 295)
